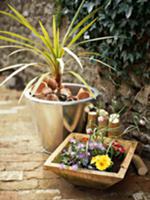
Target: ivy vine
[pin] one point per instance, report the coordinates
(128, 19)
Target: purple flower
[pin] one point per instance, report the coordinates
(100, 146)
(91, 145)
(62, 166)
(72, 140)
(74, 167)
(82, 155)
(96, 145)
(80, 145)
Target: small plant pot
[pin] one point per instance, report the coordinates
(86, 177)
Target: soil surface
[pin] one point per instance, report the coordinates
(22, 176)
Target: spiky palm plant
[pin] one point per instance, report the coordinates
(51, 51)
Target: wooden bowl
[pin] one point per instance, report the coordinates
(90, 178)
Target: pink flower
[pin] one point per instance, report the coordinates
(89, 131)
(118, 147)
(72, 140)
(100, 119)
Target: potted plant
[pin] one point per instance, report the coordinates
(92, 160)
(56, 105)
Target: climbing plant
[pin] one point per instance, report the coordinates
(128, 19)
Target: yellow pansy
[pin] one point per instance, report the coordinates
(102, 162)
(95, 159)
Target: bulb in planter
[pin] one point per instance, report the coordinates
(91, 122)
(114, 125)
(51, 82)
(66, 91)
(103, 119)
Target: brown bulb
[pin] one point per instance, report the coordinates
(52, 97)
(52, 83)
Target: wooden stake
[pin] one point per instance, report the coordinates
(140, 165)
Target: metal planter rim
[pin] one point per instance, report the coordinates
(67, 103)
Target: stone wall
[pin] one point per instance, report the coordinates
(33, 10)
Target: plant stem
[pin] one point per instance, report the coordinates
(59, 80)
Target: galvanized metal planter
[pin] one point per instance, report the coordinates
(56, 119)
(86, 177)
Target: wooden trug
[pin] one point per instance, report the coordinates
(90, 178)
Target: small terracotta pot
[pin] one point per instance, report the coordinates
(40, 88)
(114, 129)
(102, 122)
(83, 94)
(46, 91)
